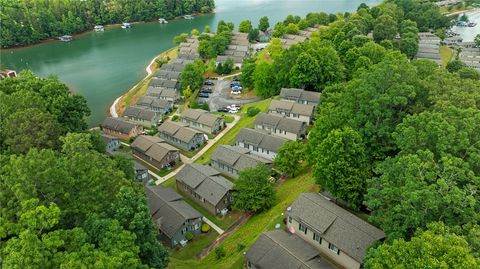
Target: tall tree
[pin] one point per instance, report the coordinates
(254, 190)
(290, 157)
(263, 24)
(245, 26)
(385, 28)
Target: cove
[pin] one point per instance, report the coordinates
(102, 66)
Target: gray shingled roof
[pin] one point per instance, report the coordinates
(173, 66)
(166, 74)
(300, 94)
(107, 138)
(292, 107)
(200, 116)
(164, 83)
(346, 231)
(148, 101)
(139, 113)
(118, 125)
(260, 139)
(178, 130)
(206, 182)
(168, 207)
(280, 250)
(280, 123)
(238, 158)
(152, 146)
(162, 92)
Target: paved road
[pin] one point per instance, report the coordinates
(221, 96)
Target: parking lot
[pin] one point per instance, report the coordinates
(221, 97)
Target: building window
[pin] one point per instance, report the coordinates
(333, 248)
(317, 238)
(302, 228)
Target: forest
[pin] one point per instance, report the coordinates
(26, 22)
(65, 203)
(394, 137)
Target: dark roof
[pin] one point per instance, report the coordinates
(177, 67)
(162, 92)
(152, 146)
(118, 125)
(300, 94)
(292, 107)
(168, 209)
(139, 113)
(164, 83)
(280, 250)
(236, 157)
(260, 139)
(281, 123)
(108, 138)
(338, 226)
(200, 116)
(178, 130)
(153, 102)
(166, 74)
(206, 181)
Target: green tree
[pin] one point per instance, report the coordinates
(342, 166)
(290, 158)
(291, 29)
(275, 48)
(195, 32)
(263, 24)
(248, 70)
(264, 80)
(455, 65)
(192, 76)
(254, 190)
(180, 38)
(477, 40)
(437, 247)
(409, 46)
(206, 29)
(385, 28)
(253, 35)
(245, 26)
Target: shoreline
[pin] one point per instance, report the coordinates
(115, 25)
(113, 111)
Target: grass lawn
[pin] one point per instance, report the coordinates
(195, 246)
(244, 122)
(249, 232)
(446, 54)
(222, 222)
(191, 153)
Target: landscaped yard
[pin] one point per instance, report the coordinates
(244, 122)
(249, 232)
(222, 222)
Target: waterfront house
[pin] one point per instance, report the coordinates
(164, 83)
(173, 217)
(7, 73)
(145, 117)
(203, 120)
(155, 151)
(300, 96)
(206, 187)
(291, 110)
(111, 143)
(174, 66)
(141, 172)
(121, 128)
(280, 126)
(260, 142)
(163, 93)
(180, 61)
(335, 232)
(179, 135)
(280, 250)
(166, 74)
(231, 160)
(157, 105)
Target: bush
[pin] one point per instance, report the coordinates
(220, 253)
(240, 246)
(189, 236)
(205, 228)
(175, 118)
(228, 119)
(253, 111)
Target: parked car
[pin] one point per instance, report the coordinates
(234, 106)
(209, 83)
(236, 91)
(223, 109)
(207, 90)
(203, 95)
(235, 83)
(233, 110)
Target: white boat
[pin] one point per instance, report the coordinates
(162, 21)
(98, 28)
(188, 17)
(66, 38)
(126, 25)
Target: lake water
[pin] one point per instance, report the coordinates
(102, 66)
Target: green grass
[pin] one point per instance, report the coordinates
(244, 122)
(249, 232)
(195, 246)
(191, 153)
(222, 222)
(446, 54)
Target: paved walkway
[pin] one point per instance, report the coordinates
(215, 227)
(210, 143)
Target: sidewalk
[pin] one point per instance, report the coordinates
(215, 227)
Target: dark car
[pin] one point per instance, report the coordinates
(235, 84)
(203, 95)
(206, 90)
(223, 109)
(209, 83)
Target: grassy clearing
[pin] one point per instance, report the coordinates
(446, 54)
(222, 222)
(244, 122)
(249, 232)
(195, 246)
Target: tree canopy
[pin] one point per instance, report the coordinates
(254, 190)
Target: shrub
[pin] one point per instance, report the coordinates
(205, 228)
(189, 236)
(253, 111)
(228, 119)
(175, 118)
(220, 253)
(240, 246)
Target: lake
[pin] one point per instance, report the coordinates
(102, 66)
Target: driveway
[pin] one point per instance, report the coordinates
(221, 96)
